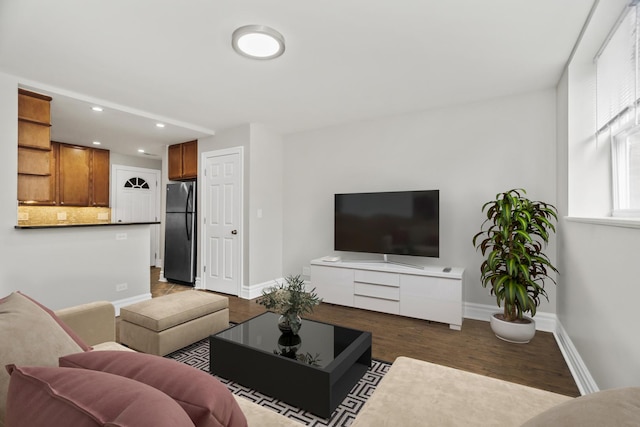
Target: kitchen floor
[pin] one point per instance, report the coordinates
(164, 288)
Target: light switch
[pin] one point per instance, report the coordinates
(259, 213)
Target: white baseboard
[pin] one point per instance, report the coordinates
(162, 278)
(254, 291)
(585, 382)
(128, 301)
(546, 322)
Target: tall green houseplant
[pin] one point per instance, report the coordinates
(512, 239)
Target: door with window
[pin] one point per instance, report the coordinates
(136, 199)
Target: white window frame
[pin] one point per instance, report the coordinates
(618, 102)
(621, 175)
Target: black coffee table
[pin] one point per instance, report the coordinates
(315, 374)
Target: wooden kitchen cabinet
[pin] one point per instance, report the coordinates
(36, 163)
(51, 173)
(100, 177)
(34, 106)
(73, 175)
(83, 176)
(175, 162)
(183, 161)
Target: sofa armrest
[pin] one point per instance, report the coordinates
(94, 322)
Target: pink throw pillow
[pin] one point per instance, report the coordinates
(51, 396)
(206, 400)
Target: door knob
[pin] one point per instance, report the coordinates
(234, 231)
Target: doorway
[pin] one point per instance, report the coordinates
(222, 231)
(135, 198)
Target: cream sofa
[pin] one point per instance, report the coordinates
(95, 324)
(413, 392)
(418, 393)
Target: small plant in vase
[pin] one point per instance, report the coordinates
(291, 300)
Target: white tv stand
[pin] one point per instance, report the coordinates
(429, 293)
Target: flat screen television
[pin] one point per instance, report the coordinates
(394, 223)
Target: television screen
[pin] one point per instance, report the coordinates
(397, 222)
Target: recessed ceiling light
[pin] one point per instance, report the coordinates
(140, 150)
(96, 108)
(258, 42)
(160, 125)
(96, 142)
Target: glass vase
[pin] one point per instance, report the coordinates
(289, 324)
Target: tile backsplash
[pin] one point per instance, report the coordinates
(62, 215)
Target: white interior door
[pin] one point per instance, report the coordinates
(222, 222)
(135, 198)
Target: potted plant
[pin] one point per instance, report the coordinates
(291, 300)
(512, 239)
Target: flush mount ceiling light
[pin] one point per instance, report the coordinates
(258, 42)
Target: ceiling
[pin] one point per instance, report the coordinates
(345, 61)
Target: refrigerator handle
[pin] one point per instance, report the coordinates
(186, 225)
(187, 211)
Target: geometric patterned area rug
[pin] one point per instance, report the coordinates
(197, 355)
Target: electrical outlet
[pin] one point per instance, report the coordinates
(23, 216)
(121, 236)
(62, 216)
(306, 271)
(103, 216)
(121, 287)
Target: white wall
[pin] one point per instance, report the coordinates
(135, 161)
(61, 267)
(262, 191)
(239, 136)
(266, 165)
(598, 287)
(470, 153)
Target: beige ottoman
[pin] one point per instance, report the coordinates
(170, 322)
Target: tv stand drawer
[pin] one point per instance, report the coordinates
(377, 277)
(377, 304)
(377, 291)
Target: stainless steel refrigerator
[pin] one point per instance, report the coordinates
(180, 233)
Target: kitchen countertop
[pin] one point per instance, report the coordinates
(104, 224)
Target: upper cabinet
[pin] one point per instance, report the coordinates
(73, 175)
(183, 161)
(100, 177)
(34, 120)
(36, 164)
(83, 175)
(52, 173)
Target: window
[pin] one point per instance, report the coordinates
(626, 173)
(136, 183)
(617, 109)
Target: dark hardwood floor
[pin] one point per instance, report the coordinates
(475, 348)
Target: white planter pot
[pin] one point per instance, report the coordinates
(515, 332)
